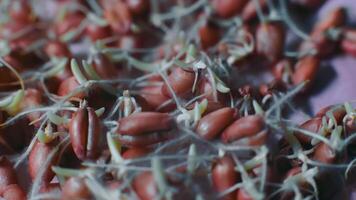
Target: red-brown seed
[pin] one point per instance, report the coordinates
(145, 186)
(155, 99)
(205, 87)
(338, 113)
(144, 122)
(269, 88)
(305, 69)
(280, 69)
(118, 16)
(334, 18)
(319, 40)
(228, 8)
(270, 39)
(103, 66)
(243, 195)
(349, 47)
(209, 35)
(135, 152)
(75, 188)
(250, 127)
(70, 22)
(303, 185)
(144, 140)
(7, 173)
(224, 176)
(33, 99)
(181, 82)
(85, 133)
(138, 7)
(250, 12)
(56, 48)
(324, 153)
(38, 156)
(13, 192)
(96, 32)
(53, 188)
(68, 86)
(212, 124)
(20, 10)
(312, 125)
(350, 126)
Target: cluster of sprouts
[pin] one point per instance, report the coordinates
(182, 161)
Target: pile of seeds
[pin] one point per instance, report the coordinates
(170, 99)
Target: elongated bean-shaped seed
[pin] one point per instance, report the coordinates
(312, 125)
(75, 188)
(7, 173)
(212, 124)
(38, 156)
(85, 133)
(135, 152)
(270, 39)
(181, 82)
(144, 140)
(144, 122)
(145, 186)
(228, 8)
(244, 128)
(305, 70)
(13, 192)
(325, 154)
(224, 176)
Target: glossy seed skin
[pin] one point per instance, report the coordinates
(56, 48)
(312, 125)
(245, 127)
(136, 152)
(181, 82)
(281, 69)
(305, 70)
(144, 140)
(96, 32)
(228, 8)
(7, 173)
(209, 35)
(250, 12)
(20, 10)
(85, 133)
(38, 157)
(69, 85)
(13, 192)
(338, 113)
(144, 122)
(145, 186)
(324, 45)
(138, 7)
(75, 188)
(323, 153)
(118, 16)
(270, 39)
(334, 18)
(155, 99)
(224, 176)
(212, 124)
